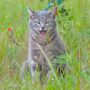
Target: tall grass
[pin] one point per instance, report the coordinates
(74, 29)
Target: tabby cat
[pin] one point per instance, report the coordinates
(43, 32)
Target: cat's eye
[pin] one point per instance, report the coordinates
(37, 21)
(46, 23)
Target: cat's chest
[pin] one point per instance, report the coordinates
(49, 50)
(42, 40)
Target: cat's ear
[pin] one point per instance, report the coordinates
(53, 12)
(31, 12)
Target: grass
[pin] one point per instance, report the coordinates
(75, 30)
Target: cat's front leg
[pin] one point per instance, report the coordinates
(33, 71)
(28, 69)
(25, 69)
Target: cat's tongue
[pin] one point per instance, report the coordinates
(42, 34)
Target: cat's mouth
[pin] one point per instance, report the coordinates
(43, 32)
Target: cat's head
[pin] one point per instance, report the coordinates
(42, 21)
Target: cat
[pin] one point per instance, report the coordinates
(43, 32)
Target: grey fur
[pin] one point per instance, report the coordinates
(52, 47)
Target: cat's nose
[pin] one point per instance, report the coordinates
(43, 28)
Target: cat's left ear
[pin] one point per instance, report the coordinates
(53, 11)
(31, 12)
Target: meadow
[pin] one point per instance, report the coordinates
(74, 28)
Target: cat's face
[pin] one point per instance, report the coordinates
(43, 21)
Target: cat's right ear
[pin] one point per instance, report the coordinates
(31, 12)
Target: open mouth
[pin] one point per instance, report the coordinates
(42, 32)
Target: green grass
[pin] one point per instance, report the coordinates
(74, 29)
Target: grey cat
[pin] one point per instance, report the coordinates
(43, 32)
